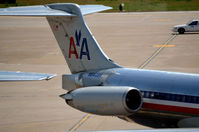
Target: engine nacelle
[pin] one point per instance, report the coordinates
(105, 100)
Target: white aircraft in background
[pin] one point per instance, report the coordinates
(99, 86)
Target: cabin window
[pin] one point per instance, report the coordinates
(194, 23)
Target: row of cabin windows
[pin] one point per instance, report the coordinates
(171, 97)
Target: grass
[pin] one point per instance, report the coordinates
(129, 5)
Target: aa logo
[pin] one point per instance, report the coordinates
(80, 43)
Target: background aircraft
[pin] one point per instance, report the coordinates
(107, 88)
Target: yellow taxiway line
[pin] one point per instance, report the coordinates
(75, 127)
(169, 45)
(157, 51)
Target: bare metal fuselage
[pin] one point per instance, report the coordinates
(162, 91)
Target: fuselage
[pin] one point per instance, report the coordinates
(162, 91)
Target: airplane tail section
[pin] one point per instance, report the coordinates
(79, 47)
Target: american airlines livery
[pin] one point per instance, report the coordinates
(99, 86)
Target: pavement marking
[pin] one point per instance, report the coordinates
(157, 52)
(151, 57)
(85, 117)
(79, 123)
(169, 45)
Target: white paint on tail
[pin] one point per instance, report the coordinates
(76, 42)
(80, 49)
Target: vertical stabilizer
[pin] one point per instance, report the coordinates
(79, 47)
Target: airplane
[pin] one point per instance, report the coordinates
(97, 84)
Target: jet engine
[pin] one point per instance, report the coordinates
(105, 100)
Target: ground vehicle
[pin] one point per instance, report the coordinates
(192, 26)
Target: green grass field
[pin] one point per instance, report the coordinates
(129, 5)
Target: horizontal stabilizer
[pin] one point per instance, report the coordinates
(23, 76)
(88, 9)
(48, 10)
(32, 11)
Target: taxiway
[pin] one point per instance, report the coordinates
(27, 44)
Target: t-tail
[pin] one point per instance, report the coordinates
(80, 49)
(76, 42)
